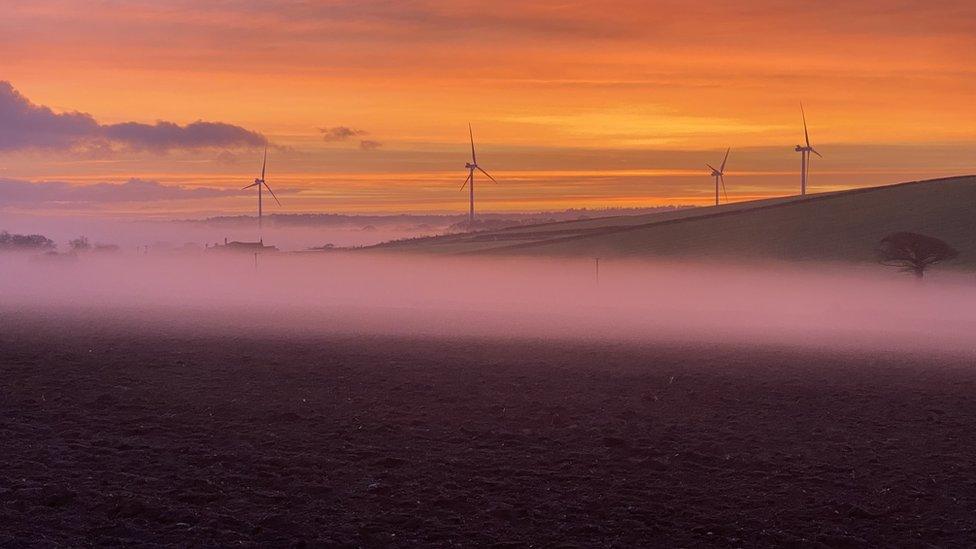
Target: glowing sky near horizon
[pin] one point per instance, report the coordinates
(574, 104)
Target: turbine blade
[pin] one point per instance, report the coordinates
(466, 179)
(806, 134)
(486, 173)
(474, 159)
(722, 179)
(711, 167)
(272, 192)
(814, 151)
(724, 160)
(249, 186)
(265, 163)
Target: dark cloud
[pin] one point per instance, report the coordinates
(15, 191)
(24, 125)
(369, 144)
(167, 135)
(339, 133)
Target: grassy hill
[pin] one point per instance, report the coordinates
(839, 226)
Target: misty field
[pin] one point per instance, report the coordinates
(364, 400)
(120, 433)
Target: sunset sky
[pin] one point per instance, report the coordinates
(366, 104)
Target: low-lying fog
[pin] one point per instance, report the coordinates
(286, 295)
(163, 235)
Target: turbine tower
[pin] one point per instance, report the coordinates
(259, 183)
(805, 154)
(718, 174)
(471, 167)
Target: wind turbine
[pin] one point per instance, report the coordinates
(718, 175)
(471, 167)
(259, 183)
(805, 154)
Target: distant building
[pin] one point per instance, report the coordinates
(248, 247)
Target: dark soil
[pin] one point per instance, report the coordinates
(141, 436)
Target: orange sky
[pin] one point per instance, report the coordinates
(573, 103)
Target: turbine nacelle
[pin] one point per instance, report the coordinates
(801, 149)
(470, 166)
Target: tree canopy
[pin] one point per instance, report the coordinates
(914, 252)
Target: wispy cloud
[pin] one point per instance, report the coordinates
(25, 125)
(339, 133)
(336, 134)
(20, 192)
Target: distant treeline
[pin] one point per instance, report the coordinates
(434, 220)
(25, 242)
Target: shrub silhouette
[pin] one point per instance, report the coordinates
(79, 244)
(914, 252)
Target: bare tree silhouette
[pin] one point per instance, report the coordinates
(914, 252)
